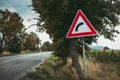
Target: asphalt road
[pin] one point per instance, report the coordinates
(15, 67)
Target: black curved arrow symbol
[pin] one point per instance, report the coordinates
(78, 25)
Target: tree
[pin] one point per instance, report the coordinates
(32, 41)
(14, 45)
(46, 46)
(43, 47)
(58, 15)
(11, 27)
(105, 49)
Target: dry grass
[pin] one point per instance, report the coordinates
(51, 71)
(5, 53)
(101, 71)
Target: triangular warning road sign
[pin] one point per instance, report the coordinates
(81, 27)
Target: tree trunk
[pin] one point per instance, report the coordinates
(74, 56)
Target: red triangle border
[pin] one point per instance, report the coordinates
(83, 34)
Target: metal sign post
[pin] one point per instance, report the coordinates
(85, 67)
(81, 27)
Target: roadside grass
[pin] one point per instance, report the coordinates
(7, 53)
(102, 71)
(28, 52)
(51, 71)
(103, 65)
(106, 67)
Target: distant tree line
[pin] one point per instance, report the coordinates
(46, 46)
(13, 37)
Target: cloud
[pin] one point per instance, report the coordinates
(29, 14)
(11, 9)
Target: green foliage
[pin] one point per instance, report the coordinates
(58, 15)
(14, 38)
(15, 45)
(105, 56)
(61, 49)
(79, 47)
(11, 27)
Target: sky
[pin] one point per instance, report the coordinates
(20, 6)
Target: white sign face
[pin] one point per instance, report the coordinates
(81, 27)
